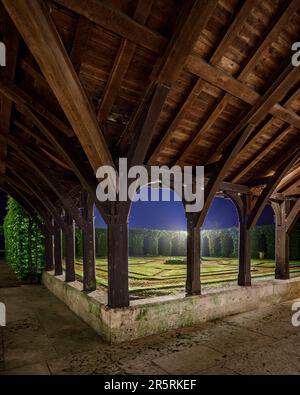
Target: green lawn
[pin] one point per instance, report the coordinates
(152, 276)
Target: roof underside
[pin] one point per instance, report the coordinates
(237, 73)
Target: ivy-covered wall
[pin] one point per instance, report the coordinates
(24, 243)
(215, 242)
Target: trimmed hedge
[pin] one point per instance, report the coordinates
(215, 242)
(24, 243)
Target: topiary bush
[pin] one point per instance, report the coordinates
(24, 243)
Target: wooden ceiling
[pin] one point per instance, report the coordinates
(187, 82)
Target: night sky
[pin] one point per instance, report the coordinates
(170, 215)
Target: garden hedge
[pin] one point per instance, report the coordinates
(24, 243)
(215, 242)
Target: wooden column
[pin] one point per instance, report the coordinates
(282, 239)
(193, 285)
(70, 249)
(244, 276)
(88, 233)
(49, 251)
(57, 251)
(117, 232)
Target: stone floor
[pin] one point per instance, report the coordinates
(43, 336)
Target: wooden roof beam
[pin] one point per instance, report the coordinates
(293, 216)
(11, 41)
(193, 19)
(224, 81)
(110, 18)
(38, 30)
(288, 180)
(262, 153)
(21, 98)
(122, 62)
(270, 188)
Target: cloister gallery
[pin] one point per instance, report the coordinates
(212, 83)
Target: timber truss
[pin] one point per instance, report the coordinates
(194, 82)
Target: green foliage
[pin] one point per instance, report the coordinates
(295, 242)
(78, 243)
(268, 232)
(136, 242)
(164, 246)
(101, 242)
(215, 242)
(150, 245)
(226, 243)
(24, 243)
(262, 243)
(205, 246)
(175, 261)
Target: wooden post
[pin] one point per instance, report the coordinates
(49, 251)
(244, 276)
(70, 249)
(118, 289)
(57, 251)
(88, 233)
(282, 243)
(193, 285)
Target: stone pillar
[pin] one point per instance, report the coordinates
(70, 249)
(193, 284)
(57, 251)
(88, 233)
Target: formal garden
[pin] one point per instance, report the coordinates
(157, 263)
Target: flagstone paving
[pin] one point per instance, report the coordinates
(43, 336)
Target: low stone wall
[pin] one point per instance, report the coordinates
(149, 316)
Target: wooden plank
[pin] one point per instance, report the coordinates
(121, 64)
(193, 95)
(289, 180)
(213, 185)
(21, 98)
(197, 88)
(82, 33)
(287, 79)
(11, 41)
(222, 81)
(270, 188)
(194, 19)
(112, 19)
(263, 152)
(38, 30)
(293, 217)
(145, 136)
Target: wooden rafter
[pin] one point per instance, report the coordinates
(269, 189)
(167, 69)
(122, 62)
(293, 216)
(226, 82)
(103, 14)
(38, 30)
